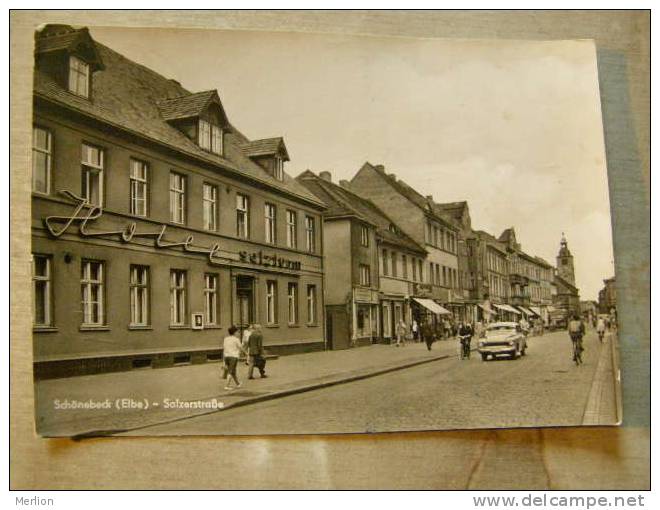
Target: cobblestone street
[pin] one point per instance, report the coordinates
(542, 388)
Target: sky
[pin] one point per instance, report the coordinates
(513, 127)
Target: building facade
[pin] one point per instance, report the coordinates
(567, 300)
(607, 297)
(359, 235)
(437, 278)
(156, 224)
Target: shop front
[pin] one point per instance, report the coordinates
(365, 317)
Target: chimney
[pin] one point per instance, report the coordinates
(380, 168)
(326, 176)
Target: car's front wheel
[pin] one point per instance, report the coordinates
(484, 356)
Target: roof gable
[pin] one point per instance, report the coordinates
(63, 38)
(267, 147)
(191, 105)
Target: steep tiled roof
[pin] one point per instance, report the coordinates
(453, 209)
(569, 286)
(126, 95)
(344, 202)
(266, 147)
(65, 38)
(183, 107)
(414, 196)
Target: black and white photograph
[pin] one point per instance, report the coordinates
(239, 233)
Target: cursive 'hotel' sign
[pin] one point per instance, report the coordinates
(86, 212)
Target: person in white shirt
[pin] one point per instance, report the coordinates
(231, 351)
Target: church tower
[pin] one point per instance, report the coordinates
(565, 267)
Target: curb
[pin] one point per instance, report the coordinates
(267, 396)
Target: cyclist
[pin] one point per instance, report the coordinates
(576, 332)
(465, 337)
(600, 329)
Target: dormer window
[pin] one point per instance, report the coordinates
(78, 77)
(210, 137)
(279, 169)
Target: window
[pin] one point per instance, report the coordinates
(92, 174)
(210, 298)
(421, 273)
(204, 134)
(278, 171)
(384, 258)
(444, 276)
(271, 302)
(311, 304)
(310, 234)
(139, 289)
(177, 297)
(91, 282)
(242, 216)
(209, 136)
(138, 179)
(78, 77)
(270, 213)
(41, 160)
(437, 275)
(210, 205)
(431, 272)
(404, 265)
(291, 229)
(435, 236)
(364, 236)
(414, 269)
(365, 275)
(216, 140)
(41, 290)
(177, 198)
(394, 264)
(293, 303)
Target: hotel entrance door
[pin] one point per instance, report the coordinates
(245, 300)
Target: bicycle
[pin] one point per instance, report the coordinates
(464, 348)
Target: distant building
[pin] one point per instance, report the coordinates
(567, 300)
(530, 279)
(607, 301)
(371, 266)
(589, 309)
(438, 278)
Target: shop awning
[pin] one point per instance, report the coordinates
(527, 311)
(432, 306)
(536, 310)
(486, 309)
(551, 309)
(508, 308)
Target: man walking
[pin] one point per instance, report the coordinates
(401, 332)
(428, 334)
(231, 351)
(255, 351)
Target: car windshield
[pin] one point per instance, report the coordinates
(501, 327)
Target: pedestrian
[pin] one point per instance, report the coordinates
(231, 351)
(447, 328)
(246, 338)
(401, 331)
(255, 351)
(415, 330)
(428, 334)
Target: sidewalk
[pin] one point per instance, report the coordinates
(139, 398)
(602, 405)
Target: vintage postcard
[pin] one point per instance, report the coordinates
(241, 232)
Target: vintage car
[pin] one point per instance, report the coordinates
(503, 338)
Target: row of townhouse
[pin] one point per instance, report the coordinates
(426, 262)
(157, 224)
